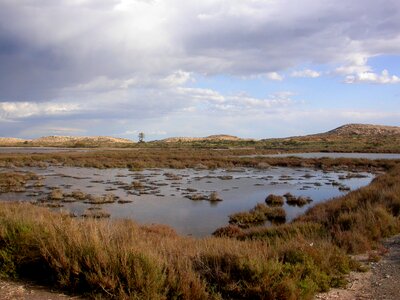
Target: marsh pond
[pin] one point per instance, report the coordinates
(193, 202)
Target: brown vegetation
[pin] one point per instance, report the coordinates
(119, 259)
(15, 182)
(183, 158)
(258, 215)
(297, 201)
(215, 138)
(354, 222)
(274, 200)
(96, 214)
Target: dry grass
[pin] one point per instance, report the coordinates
(360, 219)
(121, 260)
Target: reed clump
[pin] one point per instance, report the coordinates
(258, 216)
(297, 201)
(274, 200)
(15, 182)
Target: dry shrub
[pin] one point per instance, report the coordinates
(231, 231)
(120, 260)
(114, 259)
(274, 200)
(258, 215)
(358, 220)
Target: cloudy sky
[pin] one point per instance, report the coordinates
(252, 68)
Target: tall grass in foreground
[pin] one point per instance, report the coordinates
(122, 260)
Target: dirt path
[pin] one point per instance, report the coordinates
(381, 282)
(21, 291)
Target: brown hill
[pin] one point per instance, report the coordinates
(218, 137)
(7, 141)
(56, 140)
(364, 130)
(65, 139)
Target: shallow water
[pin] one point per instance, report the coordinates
(168, 205)
(334, 155)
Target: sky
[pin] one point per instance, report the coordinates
(250, 68)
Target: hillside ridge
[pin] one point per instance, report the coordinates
(96, 139)
(215, 137)
(60, 140)
(364, 129)
(10, 140)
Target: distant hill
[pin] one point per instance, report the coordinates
(10, 141)
(55, 140)
(348, 131)
(218, 137)
(364, 130)
(346, 138)
(67, 141)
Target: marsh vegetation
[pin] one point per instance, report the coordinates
(117, 259)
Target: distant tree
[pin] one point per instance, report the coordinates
(141, 137)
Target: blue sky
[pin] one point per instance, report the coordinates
(254, 68)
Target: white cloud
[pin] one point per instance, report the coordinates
(17, 110)
(357, 70)
(274, 76)
(201, 94)
(370, 77)
(306, 73)
(103, 83)
(355, 63)
(132, 98)
(178, 78)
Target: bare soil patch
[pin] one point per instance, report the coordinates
(380, 282)
(26, 291)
